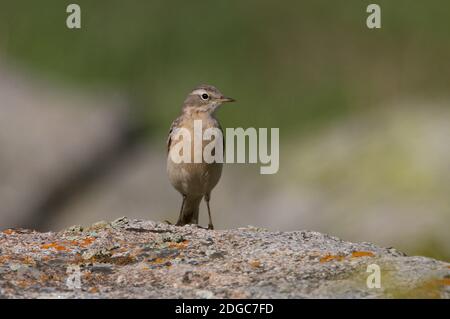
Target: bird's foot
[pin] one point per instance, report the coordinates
(210, 226)
(180, 223)
(198, 226)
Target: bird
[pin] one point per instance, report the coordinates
(195, 180)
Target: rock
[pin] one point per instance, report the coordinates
(98, 225)
(75, 229)
(120, 222)
(15, 267)
(214, 254)
(102, 268)
(176, 238)
(204, 294)
(153, 260)
(96, 254)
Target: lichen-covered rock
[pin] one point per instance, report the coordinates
(144, 259)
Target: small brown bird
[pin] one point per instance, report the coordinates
(195, 180)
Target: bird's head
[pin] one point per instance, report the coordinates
(205, 98)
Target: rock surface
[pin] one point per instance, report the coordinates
(144, 259)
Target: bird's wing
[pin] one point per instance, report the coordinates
(175, 124)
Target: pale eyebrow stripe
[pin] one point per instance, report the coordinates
(198, 92)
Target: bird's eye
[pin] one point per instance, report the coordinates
(205, 96)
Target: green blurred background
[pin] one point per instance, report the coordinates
(363, 114)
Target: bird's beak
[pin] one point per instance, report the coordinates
(224, 99)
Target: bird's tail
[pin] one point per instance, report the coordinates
(189, 214)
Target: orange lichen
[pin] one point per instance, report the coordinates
(181, 245)
(4, 258)
(55, 246)
(9, 232)
(87, 275)
(357, 254)
(87, 241)
(159, 261)
(444, 282)
(93, 290)
(255, 263)
(29, 260)
(23, 284)
(62, 246)
(329, 258)
(122, 260)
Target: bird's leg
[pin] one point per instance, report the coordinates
(180, 222)
(210, 224)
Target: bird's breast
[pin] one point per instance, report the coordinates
(193, 175)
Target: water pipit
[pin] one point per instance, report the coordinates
(195, 180)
